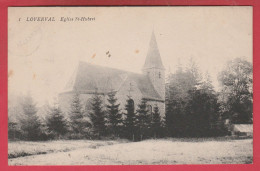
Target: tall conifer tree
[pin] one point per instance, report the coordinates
(130, 120)
(114, 116)
(97, 116)
(156, 122)
(30, 123)
(78, 122)
(143, 119)
(56, 122)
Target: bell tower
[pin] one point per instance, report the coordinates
(154, 68)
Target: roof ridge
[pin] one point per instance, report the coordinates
(131, 72)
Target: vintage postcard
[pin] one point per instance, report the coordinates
(130, 85)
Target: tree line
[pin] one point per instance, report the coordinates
(193, 109)
(101, 121)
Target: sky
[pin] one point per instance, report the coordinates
(42, 55)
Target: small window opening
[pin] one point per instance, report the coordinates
(150, 109)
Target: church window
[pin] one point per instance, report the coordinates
(159, 74)
(150, 109)
(131, 101)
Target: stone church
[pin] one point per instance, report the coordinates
(89, 79)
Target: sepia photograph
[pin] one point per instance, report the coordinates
(161, 85)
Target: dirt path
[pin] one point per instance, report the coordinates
(149, 152)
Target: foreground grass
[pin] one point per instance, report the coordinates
(162, 151)
(27, 148)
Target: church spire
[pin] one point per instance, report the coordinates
(153, 58)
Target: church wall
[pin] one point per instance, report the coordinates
(157, 77)
(136, 95)
(160, 105)
(123, 94)
(65, 101)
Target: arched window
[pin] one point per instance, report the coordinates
(150, 109)
(132, 103)
(159, 74)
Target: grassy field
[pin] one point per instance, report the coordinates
(25, 148)
(161, 151)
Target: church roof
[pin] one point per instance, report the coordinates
(153, 58)
(90, 78)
